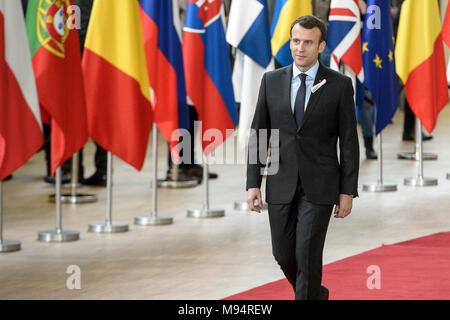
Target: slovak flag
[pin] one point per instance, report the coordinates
(344, 36)
(161, 30)
(208, 70)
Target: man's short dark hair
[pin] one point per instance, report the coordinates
(310, 22)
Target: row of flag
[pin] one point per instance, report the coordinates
(138, 67)
(375, 58)
(131, 73)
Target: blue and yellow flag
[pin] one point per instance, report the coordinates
(379, 61)
(286, 11)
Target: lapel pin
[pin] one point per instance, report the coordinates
(317, 86)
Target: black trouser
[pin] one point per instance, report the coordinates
(298, 234)
(193, 116)
(409, 122)
(65, 167)
(100, 160)
(100, 156)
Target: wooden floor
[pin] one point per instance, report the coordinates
(200, 258)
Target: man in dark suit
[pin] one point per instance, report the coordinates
(305, 108)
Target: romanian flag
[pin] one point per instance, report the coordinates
(446, 36)
(55, 52)
(286, 11)
(116, 79)
(420, 62)
(20, 120)
(161, 28)
(208, 71)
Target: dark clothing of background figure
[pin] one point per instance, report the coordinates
(409, 119)
(310, 179)
(193, 116)
(86, 8)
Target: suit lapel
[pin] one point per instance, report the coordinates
(314, 97)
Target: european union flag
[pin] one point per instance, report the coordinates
(379, 62)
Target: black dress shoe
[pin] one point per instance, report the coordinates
(65, 178)
(324, 293)
(8, 178)
(371, 154)
(97, 179)
(411, 137)
(197, 171)
(181, 176)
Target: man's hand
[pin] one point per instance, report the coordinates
(252, 195)
(345, 206)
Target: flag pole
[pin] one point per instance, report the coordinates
(206, 211)
(74, 197)
(415, 155)
(108, 226)
(58, 235)
(6, 245)
(420, 180)
(379, 186)
(154, 218)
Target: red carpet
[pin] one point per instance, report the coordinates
(417, 269)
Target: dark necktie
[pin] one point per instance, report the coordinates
(299, 106)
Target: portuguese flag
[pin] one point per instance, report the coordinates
(420, 61)
(56, 58)
(116, 80)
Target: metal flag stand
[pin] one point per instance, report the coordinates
(420, 180)
(154, 218)
(6, 245)
(379, 186)
(206, 211)
(74, 197)
(58, 235)
(108, 226)
(175, 183)
(415, 155)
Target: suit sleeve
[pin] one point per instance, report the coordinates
(259, 138)
(348, 142)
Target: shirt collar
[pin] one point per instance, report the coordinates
(312, 72)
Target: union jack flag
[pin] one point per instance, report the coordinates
(344, 36)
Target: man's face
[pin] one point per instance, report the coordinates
(305, 47)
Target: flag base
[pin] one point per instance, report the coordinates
(415, 156)
(74, 198)
(9, 245)
(108, 227)
(243, 206)
(58, 235)
(205, 213)
(152, 220)
(171, 184)
(379, 187)
(420, 182)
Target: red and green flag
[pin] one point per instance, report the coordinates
(56, 58)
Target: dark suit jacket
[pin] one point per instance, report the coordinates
(311, 151)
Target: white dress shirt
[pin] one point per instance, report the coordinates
(296, 82)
